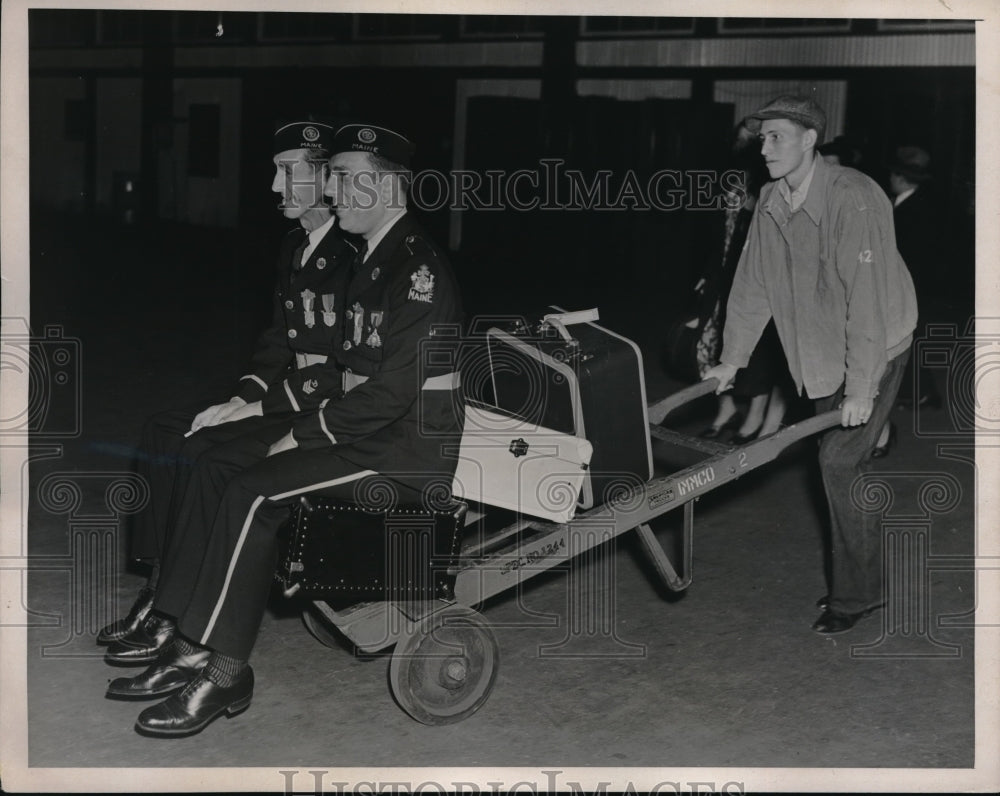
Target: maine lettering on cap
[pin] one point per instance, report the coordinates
(303, 135)
(379, 141)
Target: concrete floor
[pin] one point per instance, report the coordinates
(727, 674)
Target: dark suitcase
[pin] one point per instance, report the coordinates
(574, 376)
(345, 554)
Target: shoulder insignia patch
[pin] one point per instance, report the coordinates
(421, 285)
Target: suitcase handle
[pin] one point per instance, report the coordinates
(560, 320)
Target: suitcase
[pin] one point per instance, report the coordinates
(512, 463)
(345, 553)
(564, 372)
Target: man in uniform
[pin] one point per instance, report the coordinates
(313, 265)
(399, 421)
(821, 260)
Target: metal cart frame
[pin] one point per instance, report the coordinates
(445, 659)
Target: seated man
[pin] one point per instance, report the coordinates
(399, 421)
(313, 266)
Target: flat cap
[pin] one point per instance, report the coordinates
(798, 109)
(380, 141)
(303, 135)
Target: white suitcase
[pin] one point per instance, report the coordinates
(515, 464)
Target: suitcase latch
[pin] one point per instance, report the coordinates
(518, 447)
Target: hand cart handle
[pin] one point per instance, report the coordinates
(808, 427)
(659, 410)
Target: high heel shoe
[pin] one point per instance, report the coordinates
(714, 431)
(881, 451)
(743, 439)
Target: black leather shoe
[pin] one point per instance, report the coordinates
(194, 708)
(144, 645)
(833, 622)
(823, 602)
(122, 627)
(171, 672)
(881, 451)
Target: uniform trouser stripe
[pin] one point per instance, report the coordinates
(232, 566)
(246, 530)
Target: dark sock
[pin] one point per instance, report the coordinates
(224, 670)
(185, 647)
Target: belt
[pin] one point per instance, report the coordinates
(303, 360)
(446, 381)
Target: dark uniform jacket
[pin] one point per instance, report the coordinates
(308, 310)
(919, 226)
(401, 331)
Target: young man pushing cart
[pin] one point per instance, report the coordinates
(821, 260)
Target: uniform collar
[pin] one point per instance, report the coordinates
(385, 242)
(902, 197)
(377, 238)
(320, 232)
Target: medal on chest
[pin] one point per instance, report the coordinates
(374, 339)
(308, 297)
(359, 322)
(329, 316)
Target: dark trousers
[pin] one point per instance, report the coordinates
(220, 564)
(855, 535)
(165, 461)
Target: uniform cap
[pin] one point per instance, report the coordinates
(798, 109)
(380, 141)
(303, 135)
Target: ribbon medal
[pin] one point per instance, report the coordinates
(307, 307)
(329, 316)
(374, 340)
(359, 322)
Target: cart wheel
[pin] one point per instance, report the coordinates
(320, 630)
(442, 671)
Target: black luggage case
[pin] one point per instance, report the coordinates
(576, 377)
(345, 554)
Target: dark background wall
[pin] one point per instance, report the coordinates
(151, 119)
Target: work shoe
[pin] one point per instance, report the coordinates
(831, 622)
